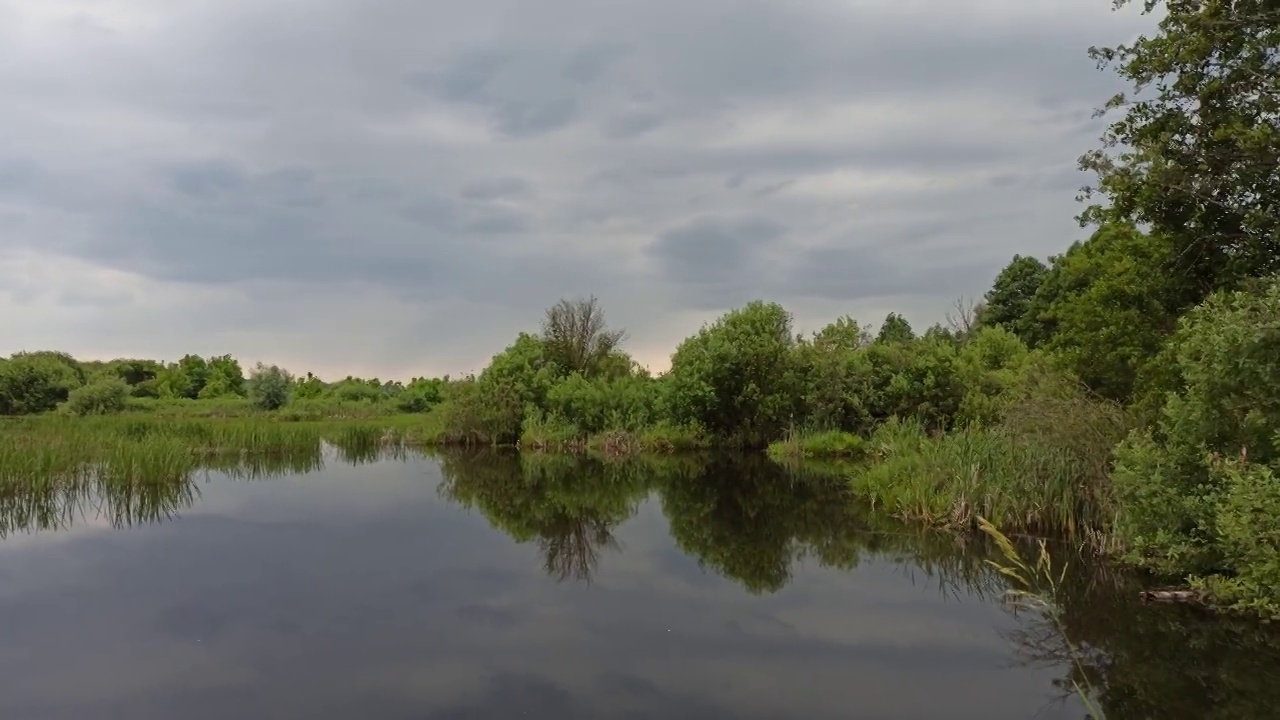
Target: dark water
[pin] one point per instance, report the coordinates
(491, 587)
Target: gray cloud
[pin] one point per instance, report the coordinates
(713, 248)
(496, 188)
(424, 158)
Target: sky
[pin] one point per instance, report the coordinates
(396, 188)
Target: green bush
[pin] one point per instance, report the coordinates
(37, 382)
(103, 397)
(1182, 512)
(271, 387)
(738, 377)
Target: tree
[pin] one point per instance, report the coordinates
(183, 379)
(577, 337)
(1010, 296)
(271, 387)
(737, 377)
(895, 329)
(1196, 155)
(845, 333)
(1198, 491)
(224, 378)
(1106, 307)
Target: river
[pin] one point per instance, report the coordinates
(494, 586)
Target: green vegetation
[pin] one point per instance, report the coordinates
(1125, 392)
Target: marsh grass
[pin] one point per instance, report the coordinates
(543, 432)
(829, 444)
(57, 449)
(999, 473)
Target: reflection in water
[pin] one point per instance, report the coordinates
(568, 507)
(756, 524)
(751, 521)
(125, 499)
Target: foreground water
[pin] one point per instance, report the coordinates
(500, 587)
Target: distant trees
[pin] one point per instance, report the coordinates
(105, 396)
(895, 329)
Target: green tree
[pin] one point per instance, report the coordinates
(183, 379)
(833, 367)
(134, 371)
(737, 377)
(37, 382)
(895, 329)
(309, 387)
(1107, 306)
(223, 378)
(1008, 302)
(1196, 154)
(270, 386)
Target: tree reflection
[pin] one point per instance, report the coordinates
(1152, 660)
(568, 506)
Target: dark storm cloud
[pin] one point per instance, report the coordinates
(713, 248)
(501, 152)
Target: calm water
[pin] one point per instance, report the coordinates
(490, 587)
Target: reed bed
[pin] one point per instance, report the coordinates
(53, 449)
(1011, 479)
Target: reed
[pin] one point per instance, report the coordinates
(54, 449)
(951, 480)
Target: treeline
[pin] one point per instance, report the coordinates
(45, 381)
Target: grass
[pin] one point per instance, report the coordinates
(549, 433)
(55, 448)
(830, 444)
(997, 473)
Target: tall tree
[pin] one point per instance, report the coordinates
(577, 337)
(895, 329)
(1195, 154)
(1009, 299)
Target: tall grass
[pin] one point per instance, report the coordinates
(53, 448)
(952, 479)
(1045, 467)
(829, 444)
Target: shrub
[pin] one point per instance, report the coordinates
(1195, 490)
(103, 397)
(271, 387)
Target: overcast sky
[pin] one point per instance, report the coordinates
(398, 187)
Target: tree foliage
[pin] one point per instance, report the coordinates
(577, 338)
(1198, 490)
(1008, 302)
(737, 377)
(1195, 154)
(271, 386)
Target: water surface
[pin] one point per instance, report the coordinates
(546, 588)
